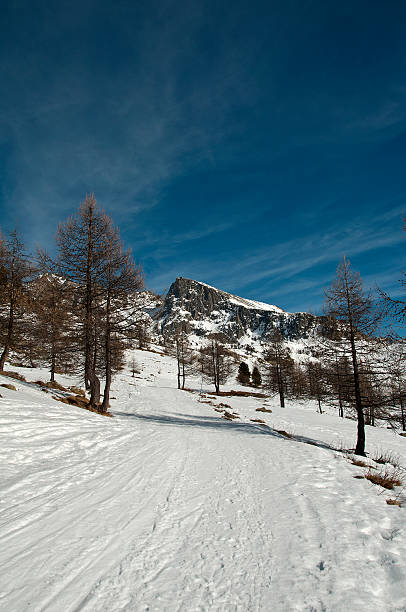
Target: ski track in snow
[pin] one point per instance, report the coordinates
(168, 507)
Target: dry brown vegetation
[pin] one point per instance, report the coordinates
(386, 457)
(229, 416)
(241, 394)
(80, 402)
(284, 433)
(386, 479)
(359, 463)
(393, 502)
(7, 386)
(15, 375)
(263, 409)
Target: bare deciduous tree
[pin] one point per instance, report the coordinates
(217, 363)
(121, 278)
(16, 270)
(279, 363)
(53, 326)
(349, 303)
(91, 255)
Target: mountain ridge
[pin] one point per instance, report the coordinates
(200, 310)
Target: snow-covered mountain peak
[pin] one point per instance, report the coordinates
(235, 299)
(201, 310)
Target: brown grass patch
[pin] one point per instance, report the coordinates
(7, 386)
(80, 402)
(257, 420)
(241, 394)
(263, 409)
(229, 416)
(403, 434)
(14, 375)
(77, 391)
(385, 479)
(393, 502)
(73, 400)
(359, 463)
(51, 385)
(284, 433)
(386, 457)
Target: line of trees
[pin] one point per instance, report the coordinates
(351, 367)
(74, 311)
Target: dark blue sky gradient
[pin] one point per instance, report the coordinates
(247, 144)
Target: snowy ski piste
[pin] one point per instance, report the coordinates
(170, 507)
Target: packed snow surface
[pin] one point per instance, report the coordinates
(169, 507)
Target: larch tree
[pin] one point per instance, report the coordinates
(183, 353)
(348, 302)
(53, 329)
(81, 243)
(397, 381)
(395, 308)
(217, 363)
(315, 382)
(15, 271)
(279, 363)
(121, 278)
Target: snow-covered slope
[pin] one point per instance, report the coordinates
(170, 507)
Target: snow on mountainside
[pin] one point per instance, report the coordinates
(201, 309)
(235, 299)
(169, 507)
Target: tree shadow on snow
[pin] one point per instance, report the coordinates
(187, 420)
(214, 422)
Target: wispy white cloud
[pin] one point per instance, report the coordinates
(124, 136)
(291, 270)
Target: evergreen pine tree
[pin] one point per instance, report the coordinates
(244, 375)
(256, 377)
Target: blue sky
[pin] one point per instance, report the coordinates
(247, 144)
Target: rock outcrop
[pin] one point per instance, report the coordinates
(201, 310)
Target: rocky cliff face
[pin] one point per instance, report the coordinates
(200, 310)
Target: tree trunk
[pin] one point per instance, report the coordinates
(94, 391)
(52, 366)
(360, 447)
(178, 374)
(4, 356)
(402, 413)
(106, 395)
(7, 344)
(280, 386)
(107, 357)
